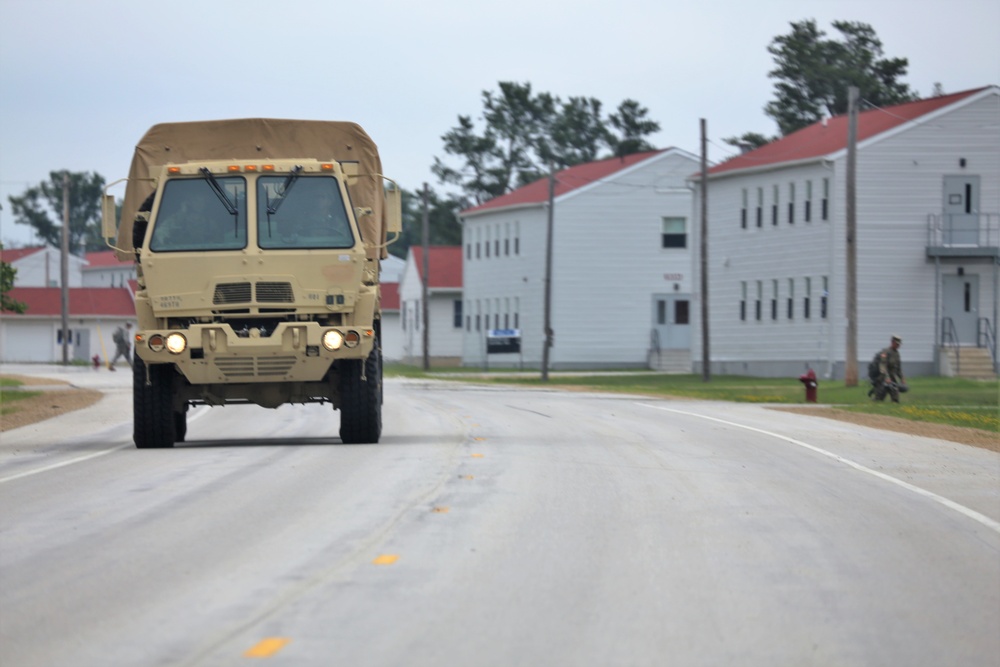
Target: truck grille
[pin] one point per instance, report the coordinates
(267, 292)
(231, 293)
(249, 367)
(274, 293)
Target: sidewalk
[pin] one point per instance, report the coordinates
(84, 377)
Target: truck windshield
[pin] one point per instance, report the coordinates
(310, 215)
(192, 217)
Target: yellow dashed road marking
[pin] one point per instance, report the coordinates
(440, 510)
(478, 456)
(385, 559)
(267, 647)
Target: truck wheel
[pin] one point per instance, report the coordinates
(152, 406)
(361, 400)
(180, 425)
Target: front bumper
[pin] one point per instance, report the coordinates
(216, 354)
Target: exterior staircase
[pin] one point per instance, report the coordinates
(973, 363)
(677, 362)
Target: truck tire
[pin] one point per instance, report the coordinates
(152, 406)
(180, 425)
(361, 400)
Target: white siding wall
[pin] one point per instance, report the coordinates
(607, 264)
(900, 182)
(42, 269)
(509, 284)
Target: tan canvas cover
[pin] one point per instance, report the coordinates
(256, 139)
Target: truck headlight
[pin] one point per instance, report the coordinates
(176, 343)
(332, 340)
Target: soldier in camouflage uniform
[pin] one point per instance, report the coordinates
(890, 369)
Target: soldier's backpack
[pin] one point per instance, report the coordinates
(873, 367)
(118, 336)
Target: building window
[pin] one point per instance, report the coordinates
(477, 249)
(743, 301)
(468, 322)
(743, 211)
(456, 314)
(517, 245)
(807, 213)
(760, 206)
(681, 312)
(661, 311)
(674, 233)
(757, 304)
(791, 203)
(403, 318)
(823, 298)
(496, 247)
(468, 251)
(806, 298)
(774, 206)
(506, 247)
(774, 299)
(791, 297)
(825, 212)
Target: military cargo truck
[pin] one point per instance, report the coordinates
(257, 244)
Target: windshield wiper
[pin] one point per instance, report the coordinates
(219, 192)
(283, 191)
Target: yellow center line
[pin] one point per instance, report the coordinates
(385, 559)
(267, 647)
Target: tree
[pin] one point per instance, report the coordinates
(633, 127)
(442, 221)
(813, 73)
(41, 207)
(749, 140)
(525, 133)
(7, 275)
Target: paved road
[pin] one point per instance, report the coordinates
(495, 526)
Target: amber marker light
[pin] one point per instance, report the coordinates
(250, 167)
(267, 167)
(173, 170)
(234, 167)
(326, 166)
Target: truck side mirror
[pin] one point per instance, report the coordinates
(109, 217)
(394, 209)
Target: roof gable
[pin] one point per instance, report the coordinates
(444, 264)
(11, 255)
(567, 180)
(829, 136)
(103, 259)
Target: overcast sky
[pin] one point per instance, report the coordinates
(81, 81)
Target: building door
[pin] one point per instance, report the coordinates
(672, 320)
(960, 301)
(960, 219)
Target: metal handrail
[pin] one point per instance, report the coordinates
(654, 345)
(986, 337)
(949, 338)
(941, 230)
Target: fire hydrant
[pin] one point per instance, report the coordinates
(97, 361)
(809, 380)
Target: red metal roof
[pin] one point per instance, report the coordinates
(11, 255)
(390, 296)
(830, 136)
(103, 258)
(567, 180)
(83, 301)
(444, 263)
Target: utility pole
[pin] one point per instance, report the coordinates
(64, 270)
(705, 352)
(547, 345)
(426, 280)
(851, 358)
